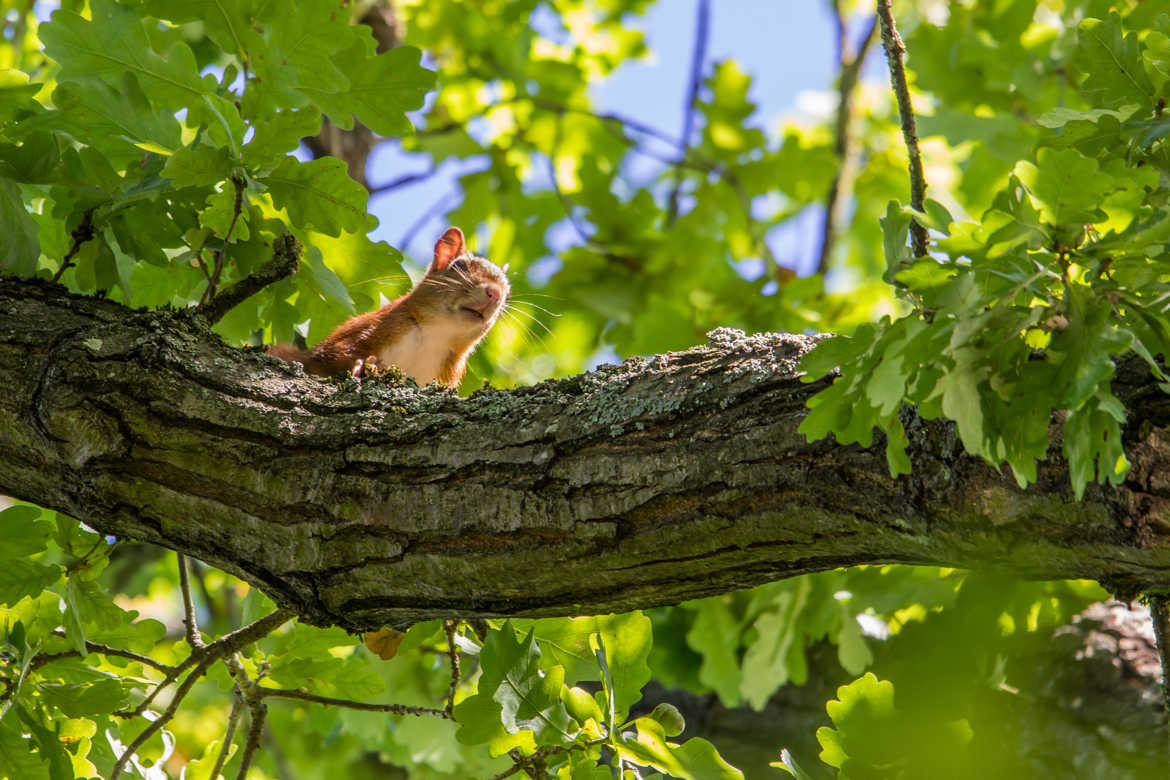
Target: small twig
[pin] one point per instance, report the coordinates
(434, 210)
(207, 655)
(450, 627)
(895, 48)
(845, 144)
(1160, 612)
(393, 709)
(259, 713)
(286, 256)
(82, 233)
(404, 181)
(96, 647)
(217, 269)
(192, 628)
(229, 734)
(698, 57)
(566, 205)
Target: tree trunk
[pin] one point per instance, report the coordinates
(368, 504)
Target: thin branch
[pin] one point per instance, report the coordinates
(217, 269)
(259, 713)
(434, 210)
(82, 233)
(895, 48)
(228, 643)
(189, 623)
(450, 627)
(403, 181)
(98, 647)
(394, 709)
(286, 257)
(845, 144)
(229, 734)
(698, 57)
(1160, 612)
(566, 205)
(207, 655)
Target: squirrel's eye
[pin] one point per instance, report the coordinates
(461, 265)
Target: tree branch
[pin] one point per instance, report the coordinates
(1160, 612)
(894, 51)
(698, 57)
(393, 709)
(286, 256)
(365, 504)
(844, 145)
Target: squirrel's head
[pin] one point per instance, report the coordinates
(466, 288)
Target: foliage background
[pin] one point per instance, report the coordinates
(622, 238)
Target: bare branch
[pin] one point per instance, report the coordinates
(894, 51)
(229, 733)
(404, 181)
(206, 656)
(845, 145)
(394, 709)
(189, 624)
(1160, 612)
(698, 57)
(450, 627)
(217, 268)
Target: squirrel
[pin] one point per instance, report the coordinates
(428, 333)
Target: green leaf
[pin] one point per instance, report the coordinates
(1067, 186)
(280, 134)
(1112, 62)
(115, 42)
(74, 624)
(120, 121)
(627, 638)
(318, 194)
(19, 245)
(25, 531)
(85, 700)
(695, 759)
(20, 578)
(715, 636)
(852, 651)
(381, 90)
(17, 758)
(515, 689)
(777, 655)
(324, 280)
(198, 166)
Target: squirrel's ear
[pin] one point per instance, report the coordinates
(448, 247)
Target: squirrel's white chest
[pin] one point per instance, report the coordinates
(421, 353)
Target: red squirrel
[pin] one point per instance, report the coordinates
(428, 333)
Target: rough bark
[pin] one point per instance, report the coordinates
(635, 485)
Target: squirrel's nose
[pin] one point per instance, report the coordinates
(493, 292)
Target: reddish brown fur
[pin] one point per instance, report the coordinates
(449, 310)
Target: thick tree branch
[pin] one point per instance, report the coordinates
(365, 505)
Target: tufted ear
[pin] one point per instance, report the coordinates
(447, 248)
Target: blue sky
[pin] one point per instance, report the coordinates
(786, 45)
